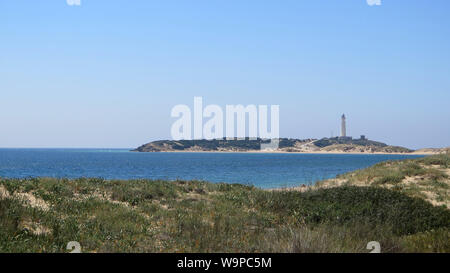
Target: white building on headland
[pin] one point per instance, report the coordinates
(344, 128)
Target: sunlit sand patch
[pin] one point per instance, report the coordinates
(35, 228)
(32, 200)
(4, 194)
(27, 198)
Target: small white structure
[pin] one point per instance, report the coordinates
(344, 130)
(343, 127)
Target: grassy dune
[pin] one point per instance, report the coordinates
(427, 178)
(43, 215)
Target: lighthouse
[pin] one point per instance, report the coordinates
(343, 127)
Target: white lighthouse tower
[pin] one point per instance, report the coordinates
(343, 127)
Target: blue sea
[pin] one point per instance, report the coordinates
(261, 170)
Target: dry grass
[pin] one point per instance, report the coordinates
(427, 178)
(43, 215)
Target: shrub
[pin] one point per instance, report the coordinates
(341, 205)
(393, 178)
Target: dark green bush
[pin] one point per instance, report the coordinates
(392, 178)
(341, 205)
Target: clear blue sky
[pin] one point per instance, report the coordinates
(108, 72)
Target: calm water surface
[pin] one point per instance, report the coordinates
(261, 170)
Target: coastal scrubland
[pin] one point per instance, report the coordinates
(286, 145)
(427, 178)
(44, 214)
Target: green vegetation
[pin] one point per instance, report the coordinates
(427, 178)
(362, 142)
(215, 145)
(43, 215)
(285, 145)
(355, 145)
